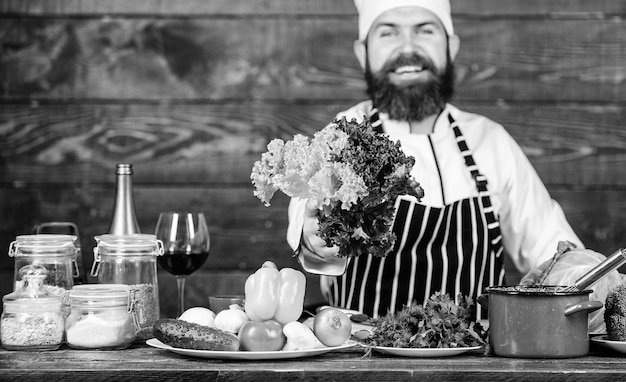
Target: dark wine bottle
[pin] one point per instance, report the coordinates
(124, 220)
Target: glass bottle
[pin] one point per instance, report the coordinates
(124, 220)
(132, 260)
(56, 253)
(102, 316)
(32, 319)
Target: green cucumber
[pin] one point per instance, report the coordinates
(187, 335)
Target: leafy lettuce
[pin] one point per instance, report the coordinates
(353, 173)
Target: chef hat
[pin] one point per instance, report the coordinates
(369, 10)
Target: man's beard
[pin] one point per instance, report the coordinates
(417, 100)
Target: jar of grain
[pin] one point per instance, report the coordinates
(102, 316)
(32, 318)
(56, 253)
(132, 260)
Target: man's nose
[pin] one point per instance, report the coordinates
(408, 43)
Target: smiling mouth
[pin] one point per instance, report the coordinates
(408, 69)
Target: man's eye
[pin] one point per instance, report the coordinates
(387, 33)
(425, 30)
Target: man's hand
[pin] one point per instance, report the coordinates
(310, 234)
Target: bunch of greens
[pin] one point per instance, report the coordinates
(439, 324)
(353, 173)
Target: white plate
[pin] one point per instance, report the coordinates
(248, 355)
(619, 346)
(424, 352)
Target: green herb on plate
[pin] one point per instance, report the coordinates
(439, 324)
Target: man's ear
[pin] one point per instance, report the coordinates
(454, 44)
(360, 51)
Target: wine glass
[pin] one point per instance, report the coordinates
(186, 243)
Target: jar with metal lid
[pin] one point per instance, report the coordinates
(132, 260)
(31, 319)
(56, 253)
(102, 316)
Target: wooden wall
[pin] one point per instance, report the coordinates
(191, 91)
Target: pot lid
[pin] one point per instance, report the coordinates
(536, 290)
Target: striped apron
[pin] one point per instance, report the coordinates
(455, 249)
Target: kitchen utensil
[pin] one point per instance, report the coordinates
(539, 321)
(617, 259)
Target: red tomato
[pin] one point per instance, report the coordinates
(332, 326)
(261, 336)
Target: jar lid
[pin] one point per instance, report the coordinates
(100, 295)
(133, 244)
(32, 297)
(44, 245)
(39, 305)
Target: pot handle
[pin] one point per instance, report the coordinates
(483, 300)
(589, 306)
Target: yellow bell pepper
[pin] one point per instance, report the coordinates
(274, 294)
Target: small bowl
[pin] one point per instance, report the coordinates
(222, 302)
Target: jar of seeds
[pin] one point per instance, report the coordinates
(132, 260)
(32, 319)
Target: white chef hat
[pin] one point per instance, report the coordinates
(369, 10)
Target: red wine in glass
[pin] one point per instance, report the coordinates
(186, 243)
(180, 263)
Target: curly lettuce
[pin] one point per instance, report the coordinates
(353, 173)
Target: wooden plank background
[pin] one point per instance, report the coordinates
(191, 91)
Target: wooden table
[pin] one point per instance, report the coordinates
(144, 363)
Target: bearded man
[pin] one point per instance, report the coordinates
(483, 199)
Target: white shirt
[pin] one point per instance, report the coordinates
(532, 223)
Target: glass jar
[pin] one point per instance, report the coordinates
(56, 253)
(132, 260)
(65, 228)
(32, 318)
(102, 316)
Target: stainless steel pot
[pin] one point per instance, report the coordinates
(539, 321)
